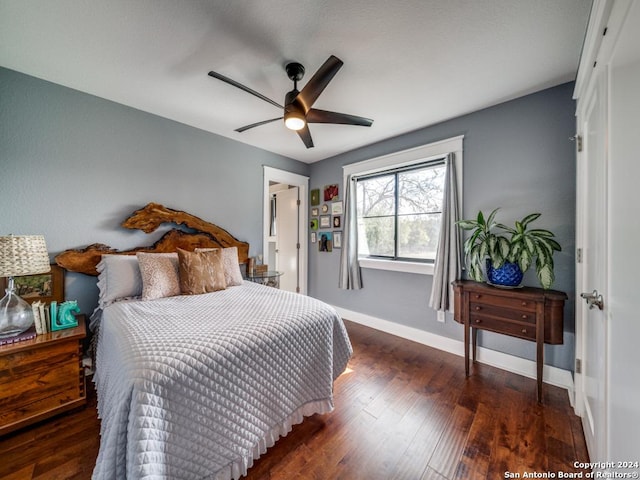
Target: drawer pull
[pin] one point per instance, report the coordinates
(524, 304)
(478, 320)
(478, 296)
(524, 330)
(478, 308)
(524, 317)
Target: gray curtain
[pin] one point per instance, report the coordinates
(350, 277)
(448, 265)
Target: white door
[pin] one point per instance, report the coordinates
(287, 241)
(592, 272)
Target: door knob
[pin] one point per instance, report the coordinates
(593, 299)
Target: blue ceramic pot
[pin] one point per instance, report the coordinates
(508, 275)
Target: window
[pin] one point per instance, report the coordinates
(400, 205)
(399, 212)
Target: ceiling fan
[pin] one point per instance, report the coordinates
(298, 111)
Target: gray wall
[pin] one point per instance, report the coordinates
(517, 156)
(74, 166)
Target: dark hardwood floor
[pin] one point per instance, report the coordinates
(403, 411)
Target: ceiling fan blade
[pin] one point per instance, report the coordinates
(318, 82)
(257, 124)
(242, 87)
(323, 116)
(305, 135)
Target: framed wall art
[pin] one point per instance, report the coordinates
(315, 196)
(315, 211)
(337, 221)
(336, 208)
(314, 237)
(325, 242)
(337, 239)
(313, 224)
(46, 287)
(325, 221)
(330, 192)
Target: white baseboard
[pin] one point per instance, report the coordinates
(521, 366)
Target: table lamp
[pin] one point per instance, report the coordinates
(19, 255)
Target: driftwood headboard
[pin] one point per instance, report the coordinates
(148, 219)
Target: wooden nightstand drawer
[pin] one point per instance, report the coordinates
(507, 327)
(505, 313)
(41, 377)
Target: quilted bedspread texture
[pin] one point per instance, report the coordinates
(197, 387)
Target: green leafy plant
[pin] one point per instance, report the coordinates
(501, 244)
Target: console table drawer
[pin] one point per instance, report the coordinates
(518, 315)
(521, 330)
(500, 300)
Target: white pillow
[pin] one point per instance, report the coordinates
(119, 278)
(232, 273)
(160, 275)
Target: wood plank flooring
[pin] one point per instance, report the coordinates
(403, 411)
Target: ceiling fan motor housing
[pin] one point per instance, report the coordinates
(294, 113)
(290, 102)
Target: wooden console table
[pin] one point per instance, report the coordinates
(530, 313)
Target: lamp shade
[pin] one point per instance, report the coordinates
(23, 255)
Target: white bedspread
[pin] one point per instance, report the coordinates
(197, 387)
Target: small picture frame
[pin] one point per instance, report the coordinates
(331, 192)
(325, 241)
(325, 208)
(336, 208)
(315, 211)
(314, 237)
(313, 224)
(337, 221)
(315, 196)
(325, 221)
(337, 239)
(46, 287)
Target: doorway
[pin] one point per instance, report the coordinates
(285, 219)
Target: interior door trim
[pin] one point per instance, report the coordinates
(302, 182)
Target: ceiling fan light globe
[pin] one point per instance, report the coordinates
(294, 122)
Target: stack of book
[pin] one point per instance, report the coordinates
(41, 317)
(28, 335)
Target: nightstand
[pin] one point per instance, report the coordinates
(41, 377)
(270, 278)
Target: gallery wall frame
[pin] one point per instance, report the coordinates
(46, 287)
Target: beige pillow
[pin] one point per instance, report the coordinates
(232, 273)
(159, 272)
(201, 272)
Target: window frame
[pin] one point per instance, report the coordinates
(395, 173)
(407, 158)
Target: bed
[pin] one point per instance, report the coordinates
(198, 386)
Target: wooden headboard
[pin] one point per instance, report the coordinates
(148, 219)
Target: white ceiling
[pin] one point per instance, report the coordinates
(407, 64)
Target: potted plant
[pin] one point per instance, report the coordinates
(508, 252)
